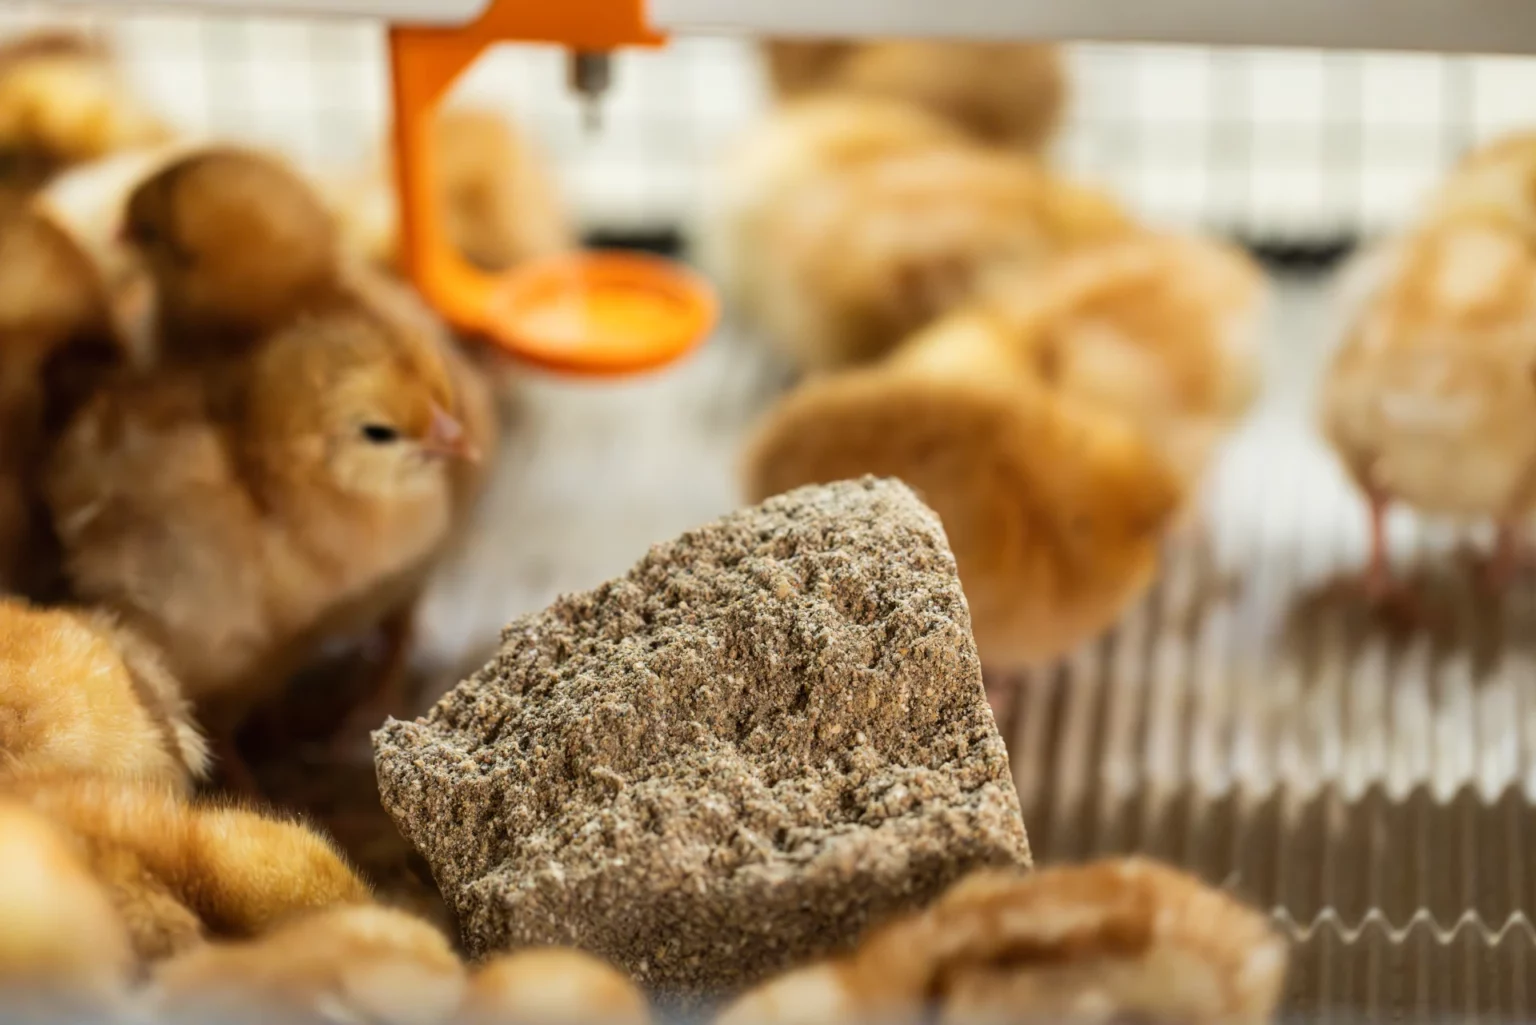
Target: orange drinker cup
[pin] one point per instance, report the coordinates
(595, 313)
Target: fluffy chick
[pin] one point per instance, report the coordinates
(80, 694)
(90, 201)
(63, 948)
(500, 204)
(1007, 94)
(238, 246)
(238, 520)
(1160, 329)
(58, 343)
(552, 986)
(344, 965)
(1114, 940)
(1431, 400)
(845, 224)
(63, 101)
(179, 873)
(1054, 509)
(1496, 181)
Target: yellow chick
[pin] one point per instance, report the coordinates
(80, 694)
(552, 986)
(1431, 400)
(351, 964)
(1006, 94)
(242, 249)
(237, 520)
(1055, 509)
(1160, 329)
(58, 343)
(238, 245)
(179, 874)
(63, 101)
(500, 203)
(1115, 940)
(843, 225)
(63, 948)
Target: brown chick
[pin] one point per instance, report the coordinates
(79, 694)
(238, 246)
(1431, 400)
(63, 101)
(499, 201)
(345, 965)
(1054, 509)
(178, 873)
(90, 201)
(1493, 181)
(1006, 94)
(58, 343)
(1160, 329)
(239, 520)
(63, 948)
(552, 986)
(842, 230)
(1115, 940)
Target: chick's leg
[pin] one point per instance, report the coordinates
(1382, 588)
(1499, 569)
(1378, 570)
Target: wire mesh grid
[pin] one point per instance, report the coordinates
(1271, 144)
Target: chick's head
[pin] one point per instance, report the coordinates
(366, 405)
(354, 964)
(554, 986)
(233, 238)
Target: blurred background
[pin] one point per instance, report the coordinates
(1371, 786)
(1282, 147)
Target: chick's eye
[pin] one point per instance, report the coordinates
(380, 434)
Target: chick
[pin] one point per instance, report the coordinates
(237, 520)
(1491, 182)
(58, 343)
(238, 246)
(344, 965)
(1160, 329)
(179, 873)
(80, 694)
(1115, 940)
(844, 225)
(90, 201)
(500, 204)
(1054, 509)
(1006, 94)
(1431, 399)
(63, 101)
(552, 986)
(63, 949)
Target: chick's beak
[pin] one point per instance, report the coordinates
(446, 437)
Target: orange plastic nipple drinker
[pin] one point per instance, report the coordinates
(596, 313)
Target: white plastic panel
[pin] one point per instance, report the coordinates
(1469, 26)
(425, 12)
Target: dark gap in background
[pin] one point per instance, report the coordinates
(1293, 256)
